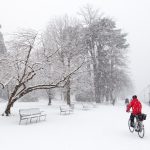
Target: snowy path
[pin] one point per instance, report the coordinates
(101, 128)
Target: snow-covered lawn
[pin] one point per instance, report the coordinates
(101, 128)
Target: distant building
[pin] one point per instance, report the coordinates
(2, 44)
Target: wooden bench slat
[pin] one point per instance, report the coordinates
(65, 109)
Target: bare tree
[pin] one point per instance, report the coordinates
(26, 70)
(89, 14)
(66, 36)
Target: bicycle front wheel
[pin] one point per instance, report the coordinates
(141, 132)
(129, 125)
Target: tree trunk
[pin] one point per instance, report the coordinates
(68, 92)
(50, 96)
(96, 85)
(68, 85)
(107, 97)
(99, 60)
(49, 100)
(8, 108)
(96, 90)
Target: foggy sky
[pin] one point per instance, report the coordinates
(131, 15)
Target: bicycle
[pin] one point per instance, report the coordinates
(138, 126)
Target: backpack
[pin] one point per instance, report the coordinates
(142, 117)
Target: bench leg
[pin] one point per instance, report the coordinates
(37, 119)
(26, 121)
(44, 117)
(30, 120)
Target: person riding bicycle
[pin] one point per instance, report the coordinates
(136, 106)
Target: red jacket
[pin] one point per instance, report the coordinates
(136, 106)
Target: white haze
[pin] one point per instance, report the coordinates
(131, 15)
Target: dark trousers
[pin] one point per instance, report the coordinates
(132, 118)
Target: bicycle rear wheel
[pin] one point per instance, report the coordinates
(141, 132)
(129, 125)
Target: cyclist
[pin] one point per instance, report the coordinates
(136, 106)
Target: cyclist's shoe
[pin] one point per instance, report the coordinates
(140, 130)
(137, 130)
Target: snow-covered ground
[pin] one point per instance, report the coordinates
(101, 128)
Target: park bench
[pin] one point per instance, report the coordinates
(93, 104)
(72, 106)
(65, 109)
(85, 106)
(31, 114)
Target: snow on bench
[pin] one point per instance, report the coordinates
(30, 114)
(86, 106)
(65, 109)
